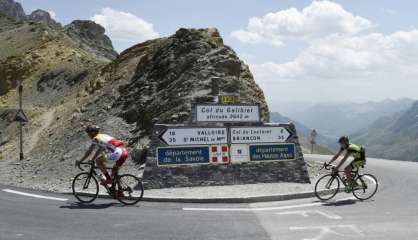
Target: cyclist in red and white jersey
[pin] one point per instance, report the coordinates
(108, 148)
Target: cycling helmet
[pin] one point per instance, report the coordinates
(344, 139)
(92, 129)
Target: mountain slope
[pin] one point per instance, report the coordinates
(68, 87)
(392, 137)
(324, 145)
(334, 119)
(33, 50)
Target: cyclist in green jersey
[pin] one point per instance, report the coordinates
(357, 152)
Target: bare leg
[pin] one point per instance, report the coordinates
(100, 161)
(115, 176)
(347, 172)
(115, 170)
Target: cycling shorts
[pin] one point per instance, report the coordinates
(119, 155)
(357, 163)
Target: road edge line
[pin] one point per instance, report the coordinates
(33, 195)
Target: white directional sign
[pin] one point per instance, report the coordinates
(194, 136)
(227, 113)
(268, 134)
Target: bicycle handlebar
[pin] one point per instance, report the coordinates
(90, 163)
(327, 166)
(84, 163)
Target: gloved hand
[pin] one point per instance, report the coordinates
(77, 163)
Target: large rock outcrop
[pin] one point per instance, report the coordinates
(12, 9)
(41, 16)
(91, 37)
(192, 65)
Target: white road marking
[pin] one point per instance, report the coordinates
(34, 195)
(308, 212)
(343, 230)
(263, 208)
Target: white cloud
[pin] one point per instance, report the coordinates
(252, 38)
(319, 19)
(52, 14)
(343, 59)
(125, 27)
(372, 66)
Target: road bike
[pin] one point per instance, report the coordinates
(86, 186)
(364, 185)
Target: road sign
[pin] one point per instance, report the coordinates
(219, 154)
(314, 134)
(264, 134)
(271, 152)
(194, 136)
(169, 156)
(20, 117)
(227, 113)
(239, 153)
(227, 99)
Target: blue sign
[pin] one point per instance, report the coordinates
(182, 155)
(271, 152)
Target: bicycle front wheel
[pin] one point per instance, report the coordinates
(132, 189)
(327, 187)
(85, 187)
(365, 187)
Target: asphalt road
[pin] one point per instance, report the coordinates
(391, 214)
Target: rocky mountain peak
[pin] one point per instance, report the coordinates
(210, 35)
(12, 9)
(193, 65)
(91, 37)
(41, 16)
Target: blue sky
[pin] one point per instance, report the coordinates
(294, 56)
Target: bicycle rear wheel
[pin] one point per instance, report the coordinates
(132, 189)
(327, 187)
(85, 187)
(366, 187)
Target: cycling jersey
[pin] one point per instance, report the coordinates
(117, 151)
(107, 142)
(356, 151)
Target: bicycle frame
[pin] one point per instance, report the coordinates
(93, 173)
(354, 175)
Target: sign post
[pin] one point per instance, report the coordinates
(21, 157)
(1, 140)
(313, 139)
(224, 142)
(21, 119)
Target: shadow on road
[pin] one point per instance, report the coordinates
(77, 205)
(341, 203)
